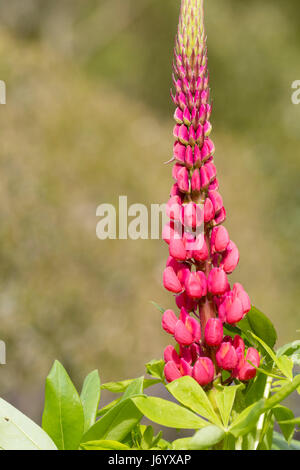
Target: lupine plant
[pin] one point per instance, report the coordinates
(225, 380)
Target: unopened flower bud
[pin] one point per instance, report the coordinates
(183, 180)
(179, 152)
(189, 157)
(178, 116)
(196, 182)
(183, 135)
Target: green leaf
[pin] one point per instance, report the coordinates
(247, 419)
(285, 391)
(161, 309)
(255, 390)
(292, 350)
(156, 368)
(17, 432)
(63, 417)
(284, 416)
(206, 438)
(189, 393)
(262, 326)
(225, 397)
(104, 445)
(279, 443)
(281, 364)
(181, 444)
(135, 388)
(116, 424)
(291, 421)
(90, 398)
(106, 408)
(120, 387)
(286, 366)
(168, 414)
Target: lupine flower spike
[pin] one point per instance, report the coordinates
(201, 254)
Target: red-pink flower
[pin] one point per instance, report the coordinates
(213, 332)
(204, 371)
(201, 252)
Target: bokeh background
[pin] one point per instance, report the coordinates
(88, 118)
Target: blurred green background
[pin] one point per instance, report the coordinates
(88, 118)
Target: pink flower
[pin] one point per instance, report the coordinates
(217, 282)
(189, 157)
(183, 180)
(196, 285)
(231, 258)
(170, 354)
(231, 309)
(243, 296)
(226, 356)
(200, 249)
(188, 331)
(169, 321)
(173, 372)
(177, 249)
(245, 370)
(192, 215)
(209, 211)
(204, 371)
(213, 332)
(196, 181)
(170, 281)
(174, 208)
(219, 239)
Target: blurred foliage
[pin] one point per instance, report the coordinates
(88, 118)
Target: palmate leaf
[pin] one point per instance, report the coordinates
(189, 393)
(18, 432)
(63, 417)
(225, 397)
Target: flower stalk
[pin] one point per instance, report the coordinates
(201, 253)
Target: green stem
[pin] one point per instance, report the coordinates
(260, 424)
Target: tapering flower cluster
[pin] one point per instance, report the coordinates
(201, 252)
